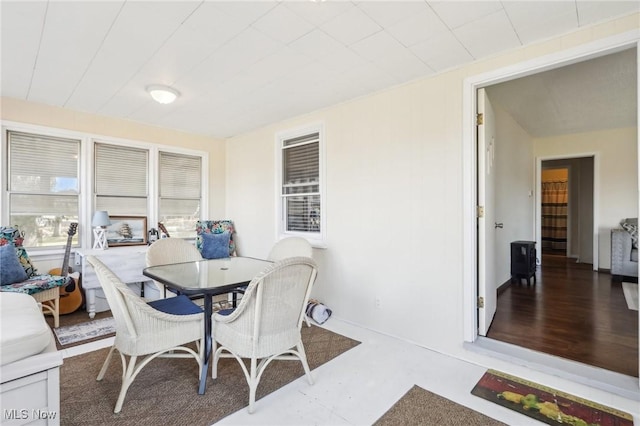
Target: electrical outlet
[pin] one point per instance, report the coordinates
(378, 302)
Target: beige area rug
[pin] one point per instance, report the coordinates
(166, 391)
(630, 291)
(80, 333)
(73, 323)
(421, 407)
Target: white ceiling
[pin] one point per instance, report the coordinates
(597, 94)
(240, 65)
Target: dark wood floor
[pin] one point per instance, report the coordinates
(572, 312)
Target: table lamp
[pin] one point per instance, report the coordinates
(100, 222)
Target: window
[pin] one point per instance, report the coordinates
(121, 179)
(301, 183)
(45, 173)
(180, 193)
(43, 187)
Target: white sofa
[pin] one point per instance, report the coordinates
(29, 364)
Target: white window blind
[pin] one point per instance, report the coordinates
(180, 193)
(121, 179)
(301, 183)
(44, 191)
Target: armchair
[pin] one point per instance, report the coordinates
(20, 276)
(215, 227)
(291, 247)
(215, 239)
(624, 250)
(266, 324)
(170, 250)
(157, 329)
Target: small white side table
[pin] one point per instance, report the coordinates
(126, 262)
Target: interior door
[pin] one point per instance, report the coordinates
(487, 288)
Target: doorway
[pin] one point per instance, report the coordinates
(554, 199)
(472, 298)
(566, 211)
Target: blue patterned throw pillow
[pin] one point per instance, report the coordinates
(215, 246)
(215, 227)
(11, 271)
(12, 235)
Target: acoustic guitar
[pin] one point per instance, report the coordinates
(70, 294)
(163, 229)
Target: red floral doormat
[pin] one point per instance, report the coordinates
(546, 404)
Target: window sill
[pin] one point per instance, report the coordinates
(32, 252)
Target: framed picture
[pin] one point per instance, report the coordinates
(127, 231)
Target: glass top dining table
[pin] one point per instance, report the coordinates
(207, 277)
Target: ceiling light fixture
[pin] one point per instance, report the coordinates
(163, 94)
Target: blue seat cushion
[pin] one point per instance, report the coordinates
(225, 311)
(179, 305)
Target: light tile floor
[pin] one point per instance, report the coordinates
(360, 385)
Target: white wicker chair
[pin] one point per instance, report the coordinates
(170, 250)
(266, 324)
(142, 330)
(291, 247)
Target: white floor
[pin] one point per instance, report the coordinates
(360, 385)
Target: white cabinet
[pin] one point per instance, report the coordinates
(126, 262)
(30, 364)
(30, 389)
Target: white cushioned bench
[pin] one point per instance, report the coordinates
(30, 363)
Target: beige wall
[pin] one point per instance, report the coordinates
(514, 188)
(94, 125)
(394, 199)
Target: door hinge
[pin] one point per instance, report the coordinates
(480, 302)
(480, 211)
(479, 119)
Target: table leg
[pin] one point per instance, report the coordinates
(208, 311)
(90, 294)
